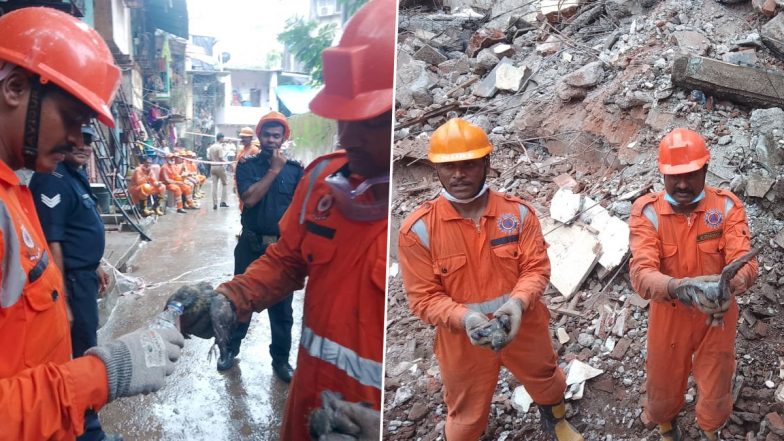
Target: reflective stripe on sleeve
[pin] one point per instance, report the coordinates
(317, 169)
(12, 274)
(420, 229)
(523, 213)
(728, 204)
(364, 370)
(650, 213)
(489, 306)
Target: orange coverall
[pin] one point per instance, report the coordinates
(144, 184)
(192, 171)
(450, 265)
(666, 244)
(170, 175)
(341, 347)
(43, 395)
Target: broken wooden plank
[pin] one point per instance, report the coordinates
(745, 85)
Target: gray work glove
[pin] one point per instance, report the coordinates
(704, 293)
(510, 315)
(477, 327)
(139, 362)
(340, 420)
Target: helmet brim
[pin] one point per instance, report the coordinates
(363, 106)
(438, 158)
(680, 169)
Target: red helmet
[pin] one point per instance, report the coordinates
(682, 151)
(359, 72)
(59, 48)
(274, 117)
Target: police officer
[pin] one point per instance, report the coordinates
(266, 183)
(74, 230)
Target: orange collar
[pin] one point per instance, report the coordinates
(7, 175)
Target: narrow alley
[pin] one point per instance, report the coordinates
(198, 402)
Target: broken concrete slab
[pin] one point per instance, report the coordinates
(486, 60)
(460, 66)
(620, 349)
(565, 181)
(620, 326)
(563, 336)
(502, 50)
(430, 55)
(638, 301)
(742, 84)
(511, 78)
(779, 239)
(550, 46)
(757, 186)
(772, 34)
(743, 57)
(587, 76)
(691, 42)
(412, 79)
(573, 253)
(521, 399)
(613, 232)
(487, 87)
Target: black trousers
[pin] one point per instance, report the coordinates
(280, 314)
(82, 287)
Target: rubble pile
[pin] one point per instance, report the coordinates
(575, 96)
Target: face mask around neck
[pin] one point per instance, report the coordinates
(673, 202)
(451, 198)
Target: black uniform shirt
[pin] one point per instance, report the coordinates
(263, 217)
(69, 215)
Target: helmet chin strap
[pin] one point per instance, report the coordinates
(32, 123)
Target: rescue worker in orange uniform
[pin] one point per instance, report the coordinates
(48, 90)
(170, 176)
(685, 233)
(248, 147)
(335, 234)
(191, 172)
(143, 185)
(470, 255)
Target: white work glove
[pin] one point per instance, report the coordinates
(139, 362)
(477, 327)
(340, 420)
(509, 315)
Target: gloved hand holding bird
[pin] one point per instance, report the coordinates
(712, 294)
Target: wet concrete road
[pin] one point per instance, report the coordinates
(198, 402)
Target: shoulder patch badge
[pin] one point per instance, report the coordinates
(323, 207)
(50, 202)
(508, 223)
(713, 218)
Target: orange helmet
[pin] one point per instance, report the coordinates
(359, 72)
(274, 117)
(458, 140)
(59, 48)
(146, 189)
(682, 151)
(246, 131)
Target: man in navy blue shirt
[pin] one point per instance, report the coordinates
(74, 230)
(265, 183)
